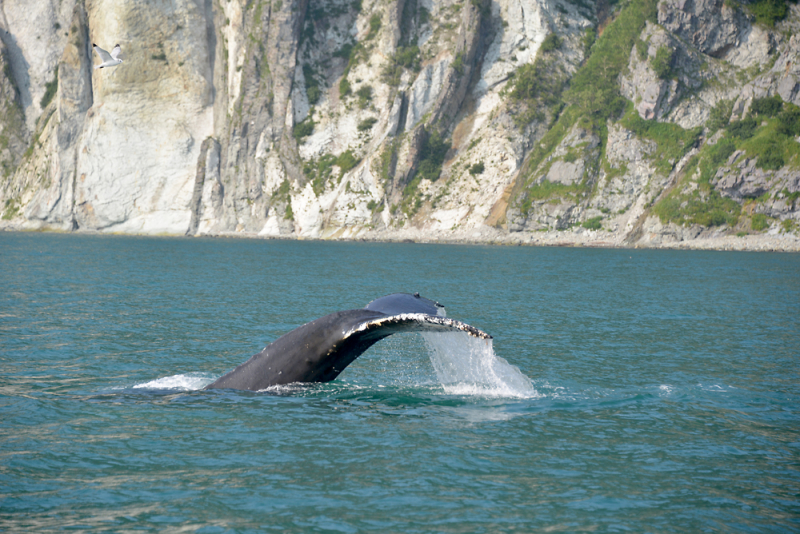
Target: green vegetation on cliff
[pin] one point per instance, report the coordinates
(432, 156)
(50, 89)
(672, 141)
(766, 135)
(320, 170)
(696, 201)
(768, 12)
(592, 98)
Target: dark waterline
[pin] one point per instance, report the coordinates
(667, 390)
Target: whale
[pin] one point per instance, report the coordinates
(320, 350)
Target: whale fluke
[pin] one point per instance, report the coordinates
(318, 351)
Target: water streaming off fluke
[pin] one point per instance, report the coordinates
(466, 365)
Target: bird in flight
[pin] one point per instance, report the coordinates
(109, 60)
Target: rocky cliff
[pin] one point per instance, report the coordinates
(638, 123)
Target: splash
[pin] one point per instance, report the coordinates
(466, 365)
(187, 382)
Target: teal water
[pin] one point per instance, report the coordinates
(664, 390)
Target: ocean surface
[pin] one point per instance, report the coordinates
(624, 390)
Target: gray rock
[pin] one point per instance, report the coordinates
(425, 91)
(712, 26)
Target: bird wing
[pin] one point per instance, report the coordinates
(105, 56)
(116, 51)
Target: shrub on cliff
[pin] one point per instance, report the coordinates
(367, 124)
(662, 63)
(789, 121)
(766, 107)
(50, 89)
(477, 168)
(759, 222)
(432, 157)
(551, 42)
(303, 129)
(743, 129)
(347, 161)
(720, 116)
(768, 12)
(595, 223)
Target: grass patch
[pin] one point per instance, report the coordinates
(411, 201)
(458, 63)
(282, 193)
(477, 168)
(614, 172)
(771, 147)
(720, 116)
(367, 124)
(743, 129)
(386, 161)
(768, 12)
(50, 89)
(344, 87)
(537, 85)
(432, 157)
(374, 26)
(364, 95)
(303, 129)
(759, 222)
(313, 91)
(433, 153)
(662, 62)
(346, 161)
(318, 171)
(766, 107)
(11, 209)
(594, 89)
(406, 57)
(789, 121)
(703, 206)
(551, 42)
(353, 53)
(770, 138)
(592, 98)
(672, 141)
(39, 129)
(595, 223)
(587, 41)
(641, 49)
(712, 210)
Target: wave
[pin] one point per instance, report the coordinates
(182, 382)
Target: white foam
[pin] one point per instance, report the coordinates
(466, 365)
(187, 382)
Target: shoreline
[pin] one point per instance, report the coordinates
(577, 238)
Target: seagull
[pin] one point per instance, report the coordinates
(109, 60)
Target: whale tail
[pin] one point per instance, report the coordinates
(318, 351)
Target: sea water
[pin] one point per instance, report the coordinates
(624, 390)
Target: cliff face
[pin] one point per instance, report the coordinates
(342, 119)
